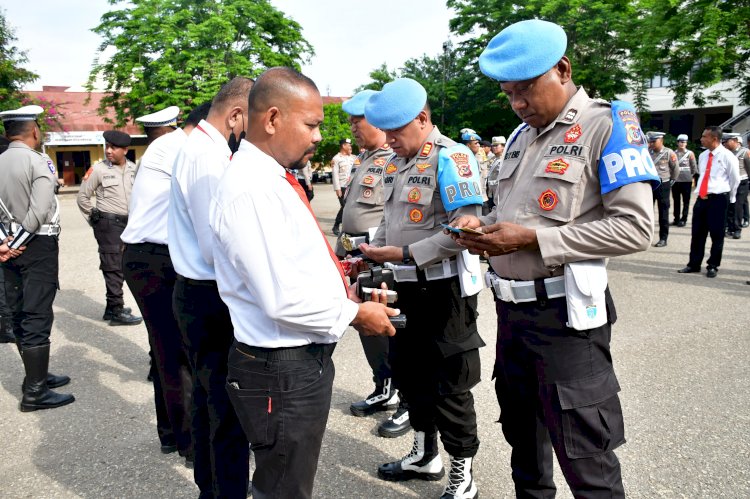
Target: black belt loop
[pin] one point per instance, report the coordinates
(312, 351)
(541, 292)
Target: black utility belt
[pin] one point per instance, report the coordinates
(113, 216)
(152, 248)
(304, 352)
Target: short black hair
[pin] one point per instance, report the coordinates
(235, 92)
(16, 128)
(715, 131)
(4, 143)
(197, 114)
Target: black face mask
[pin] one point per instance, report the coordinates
(234, 142)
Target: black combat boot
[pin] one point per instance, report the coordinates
(53, 381)
(120, 317)
(423, 462)
(383, 398)
(6, 330)
(398, 424)
(461, 480)
(37, 394)
(109, 312)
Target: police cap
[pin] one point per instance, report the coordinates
(499, 140)
(25, 113)
(165, 117)
(469, 136)
(356, 105)
(729, 136)
(117, 138)
(345, 141)
(523, 50)
(652, 136)
(396, 105)
(682, 138)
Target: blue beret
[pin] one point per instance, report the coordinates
(396, 105)
(466, 137)
(523, 50)
(356, 105)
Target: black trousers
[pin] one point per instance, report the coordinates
(557, 390)
(283, 406)
(340, 214)
(708, 218)
(4, 309)
(376, 352)
(107, 233)
(435, 361)
(735, 211)
(31, 283)
(681, 198)
(661, 198)
(151, 278)
(222, 452)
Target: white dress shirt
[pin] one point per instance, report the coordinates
(272, 264)
(725, 172)
(197, 169)
(147, 222)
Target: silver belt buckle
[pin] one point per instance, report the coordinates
(346, 242)
(505, 290)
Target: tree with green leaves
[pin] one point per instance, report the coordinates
(379, 76)
(180, 52)
(335, 127)
(12, 75)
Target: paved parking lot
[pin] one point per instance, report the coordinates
(681, 348)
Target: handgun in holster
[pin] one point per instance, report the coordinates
(372, 279)
(95, 216)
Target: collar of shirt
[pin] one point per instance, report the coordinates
(216, 136)
(160, 153)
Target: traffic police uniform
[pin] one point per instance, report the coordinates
(435, 359)
(30, 213)
(342, 165)
(112, 185)
(363, 211)
(585, 195)
(493, 171)
(668, 170)
(681, 188)
(736, 210)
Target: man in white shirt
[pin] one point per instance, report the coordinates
(220, 446)
(717, 187)
(284, 287)
(150, 276)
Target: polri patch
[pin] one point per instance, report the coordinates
(558, 166)
(426, 149)
(416, 215)
(462, 164)
(548, 200)
(51, 166)
(391, 168)
(368, 180)
(357, 161)
(367, 193)
(633, 134)
(414, 195)
(573, 134)
(421, 167)
(570, 115)
(380, 162)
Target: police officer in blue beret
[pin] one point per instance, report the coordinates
(574, 189)
(429, 181)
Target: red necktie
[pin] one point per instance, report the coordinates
(703, 191)
(301, 193)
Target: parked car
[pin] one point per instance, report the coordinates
(323, 174)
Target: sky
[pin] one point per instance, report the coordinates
(350, 38)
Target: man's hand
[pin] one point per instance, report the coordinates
(382, 254)
(498, 239)
(372, 317)
(338, 193)
(6, 253)
(468, 221)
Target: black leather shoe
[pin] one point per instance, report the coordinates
(675, 222)
(6, 331)
(687, 269)
(123, 318)
(661, 243)
(711, 271)
(396, 425)
(36, 394)
(422, 463)
(384, 398)
(335, 230)
(745, 224)
(109, 313)
(737, 234)
(681, 223)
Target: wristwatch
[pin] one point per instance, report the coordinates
(407, 256)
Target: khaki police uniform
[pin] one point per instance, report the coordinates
(681, 188)
(363, 201)
(547, 373)
(736, 211)
(484, 164)
(112, 185)
(342, 168)
(435, 359)
(668, 170)
(27, 187)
